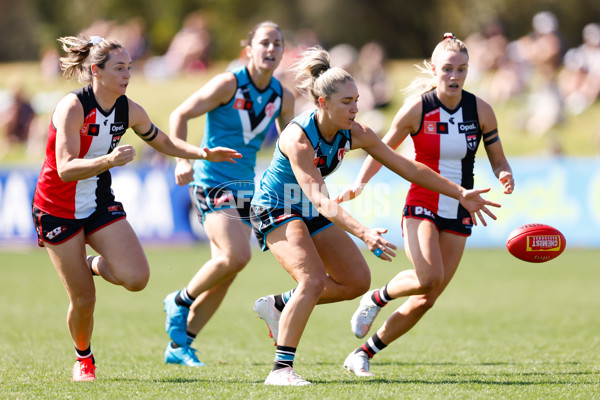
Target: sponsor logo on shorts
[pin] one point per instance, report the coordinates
(284, 217)
(418, 210)
(55, 232)
(114, 209)
(226, 198)
(232, 194)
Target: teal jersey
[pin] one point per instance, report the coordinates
(278, 187)
(241, 124)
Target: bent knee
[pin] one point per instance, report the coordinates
(423, 303)
(314, 285)
(356, 289)
(430, 284)
(136, 284)
(234, 263)
(138, 281)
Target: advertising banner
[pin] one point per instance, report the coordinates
(561, 192)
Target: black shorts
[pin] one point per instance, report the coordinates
(206, 200)
(461, 225)
(264, 220)
(55, 230)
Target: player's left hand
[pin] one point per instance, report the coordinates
(218, 154)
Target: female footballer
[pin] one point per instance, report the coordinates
(74, 205)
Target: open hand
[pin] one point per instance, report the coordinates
(218, 154)
(378, 245)
(474, 204)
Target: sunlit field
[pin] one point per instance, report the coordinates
(503, 329)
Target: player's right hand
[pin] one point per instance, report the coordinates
(121, 155)
(374, 240)
(184, 173)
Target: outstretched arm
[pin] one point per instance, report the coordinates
(151, 134)
(422, 175)
(295, 145)
(406, 121)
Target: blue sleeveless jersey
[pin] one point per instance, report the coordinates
(240, 124)
(278, 187)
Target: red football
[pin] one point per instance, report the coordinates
(536, 243)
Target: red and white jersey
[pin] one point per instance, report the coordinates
(99, 135)
(446, 142)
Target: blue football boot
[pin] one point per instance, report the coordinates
(185, 355)
(176, 322)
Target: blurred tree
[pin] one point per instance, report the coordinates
(17, 40)
(404, 28)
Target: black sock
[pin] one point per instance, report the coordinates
(380, 297)
(282, 299)
(279, 303)
(284, 357)
(90, 260)
(372, 346)
(184, 299)
(83, 354)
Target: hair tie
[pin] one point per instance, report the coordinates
(94, 40)
(449, 35)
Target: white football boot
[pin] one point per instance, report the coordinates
(265, 308)
(285, 377)
(358, 363)
(363, 317)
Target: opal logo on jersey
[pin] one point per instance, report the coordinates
(468, 127)
(118, 128)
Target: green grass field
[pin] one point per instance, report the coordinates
(504, 329)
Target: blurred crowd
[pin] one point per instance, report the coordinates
(555, 81)
(539, 69)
